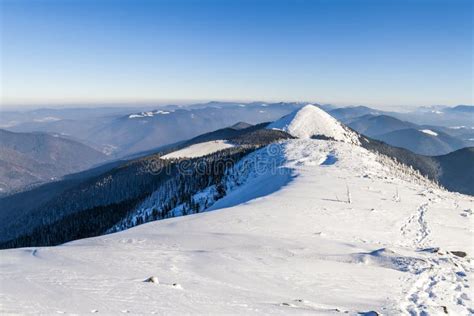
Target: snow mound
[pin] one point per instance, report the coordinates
(311, 121)
(199, 150)
(389, 259)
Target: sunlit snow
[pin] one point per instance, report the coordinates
(287, 240)
(311, 121)
(198, 150)
(429, 132)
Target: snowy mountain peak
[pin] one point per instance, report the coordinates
(311, 121)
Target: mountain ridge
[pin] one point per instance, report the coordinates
(99, 190)
(32, 158)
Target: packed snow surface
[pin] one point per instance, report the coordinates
(429, 132)
(199, 150)
(307, 227)
(312, 121)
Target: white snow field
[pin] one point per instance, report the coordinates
(199, 150)
(308, 227)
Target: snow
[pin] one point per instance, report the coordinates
(285, 240)
(148, 114)
(429, 132)
(46, 119)
(312, 121)
(109, 149)
(461, 127)
(199, 150)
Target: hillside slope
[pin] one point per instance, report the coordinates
(423, 142)
(371, 125)
(340, 230)
(89, 203)
(31, 158)
(457, 169)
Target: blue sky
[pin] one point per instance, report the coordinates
(379, 52)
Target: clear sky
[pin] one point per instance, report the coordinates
(378, 52)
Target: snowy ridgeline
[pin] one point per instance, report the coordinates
(304, 227)
(273, 162)
(167, 201)
(163, 203)
(170, 200)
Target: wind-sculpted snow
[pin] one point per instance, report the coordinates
(361, 233)
(259, 174)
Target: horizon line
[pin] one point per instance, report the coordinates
(29, 105)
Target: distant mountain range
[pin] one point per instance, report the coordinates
(347, 114)
(372, 125)
(120, 133)
(421, 139)
(124, 133)
(33, 158)
(434, 115)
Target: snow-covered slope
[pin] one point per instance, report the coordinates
(199, 150)
(312, 121)
(307, 227)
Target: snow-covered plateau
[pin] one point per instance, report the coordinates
(199, 150)
(307, 227)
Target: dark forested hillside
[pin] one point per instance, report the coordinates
(457, 170)
(91, 203)
(94, 208)
(454, 171)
